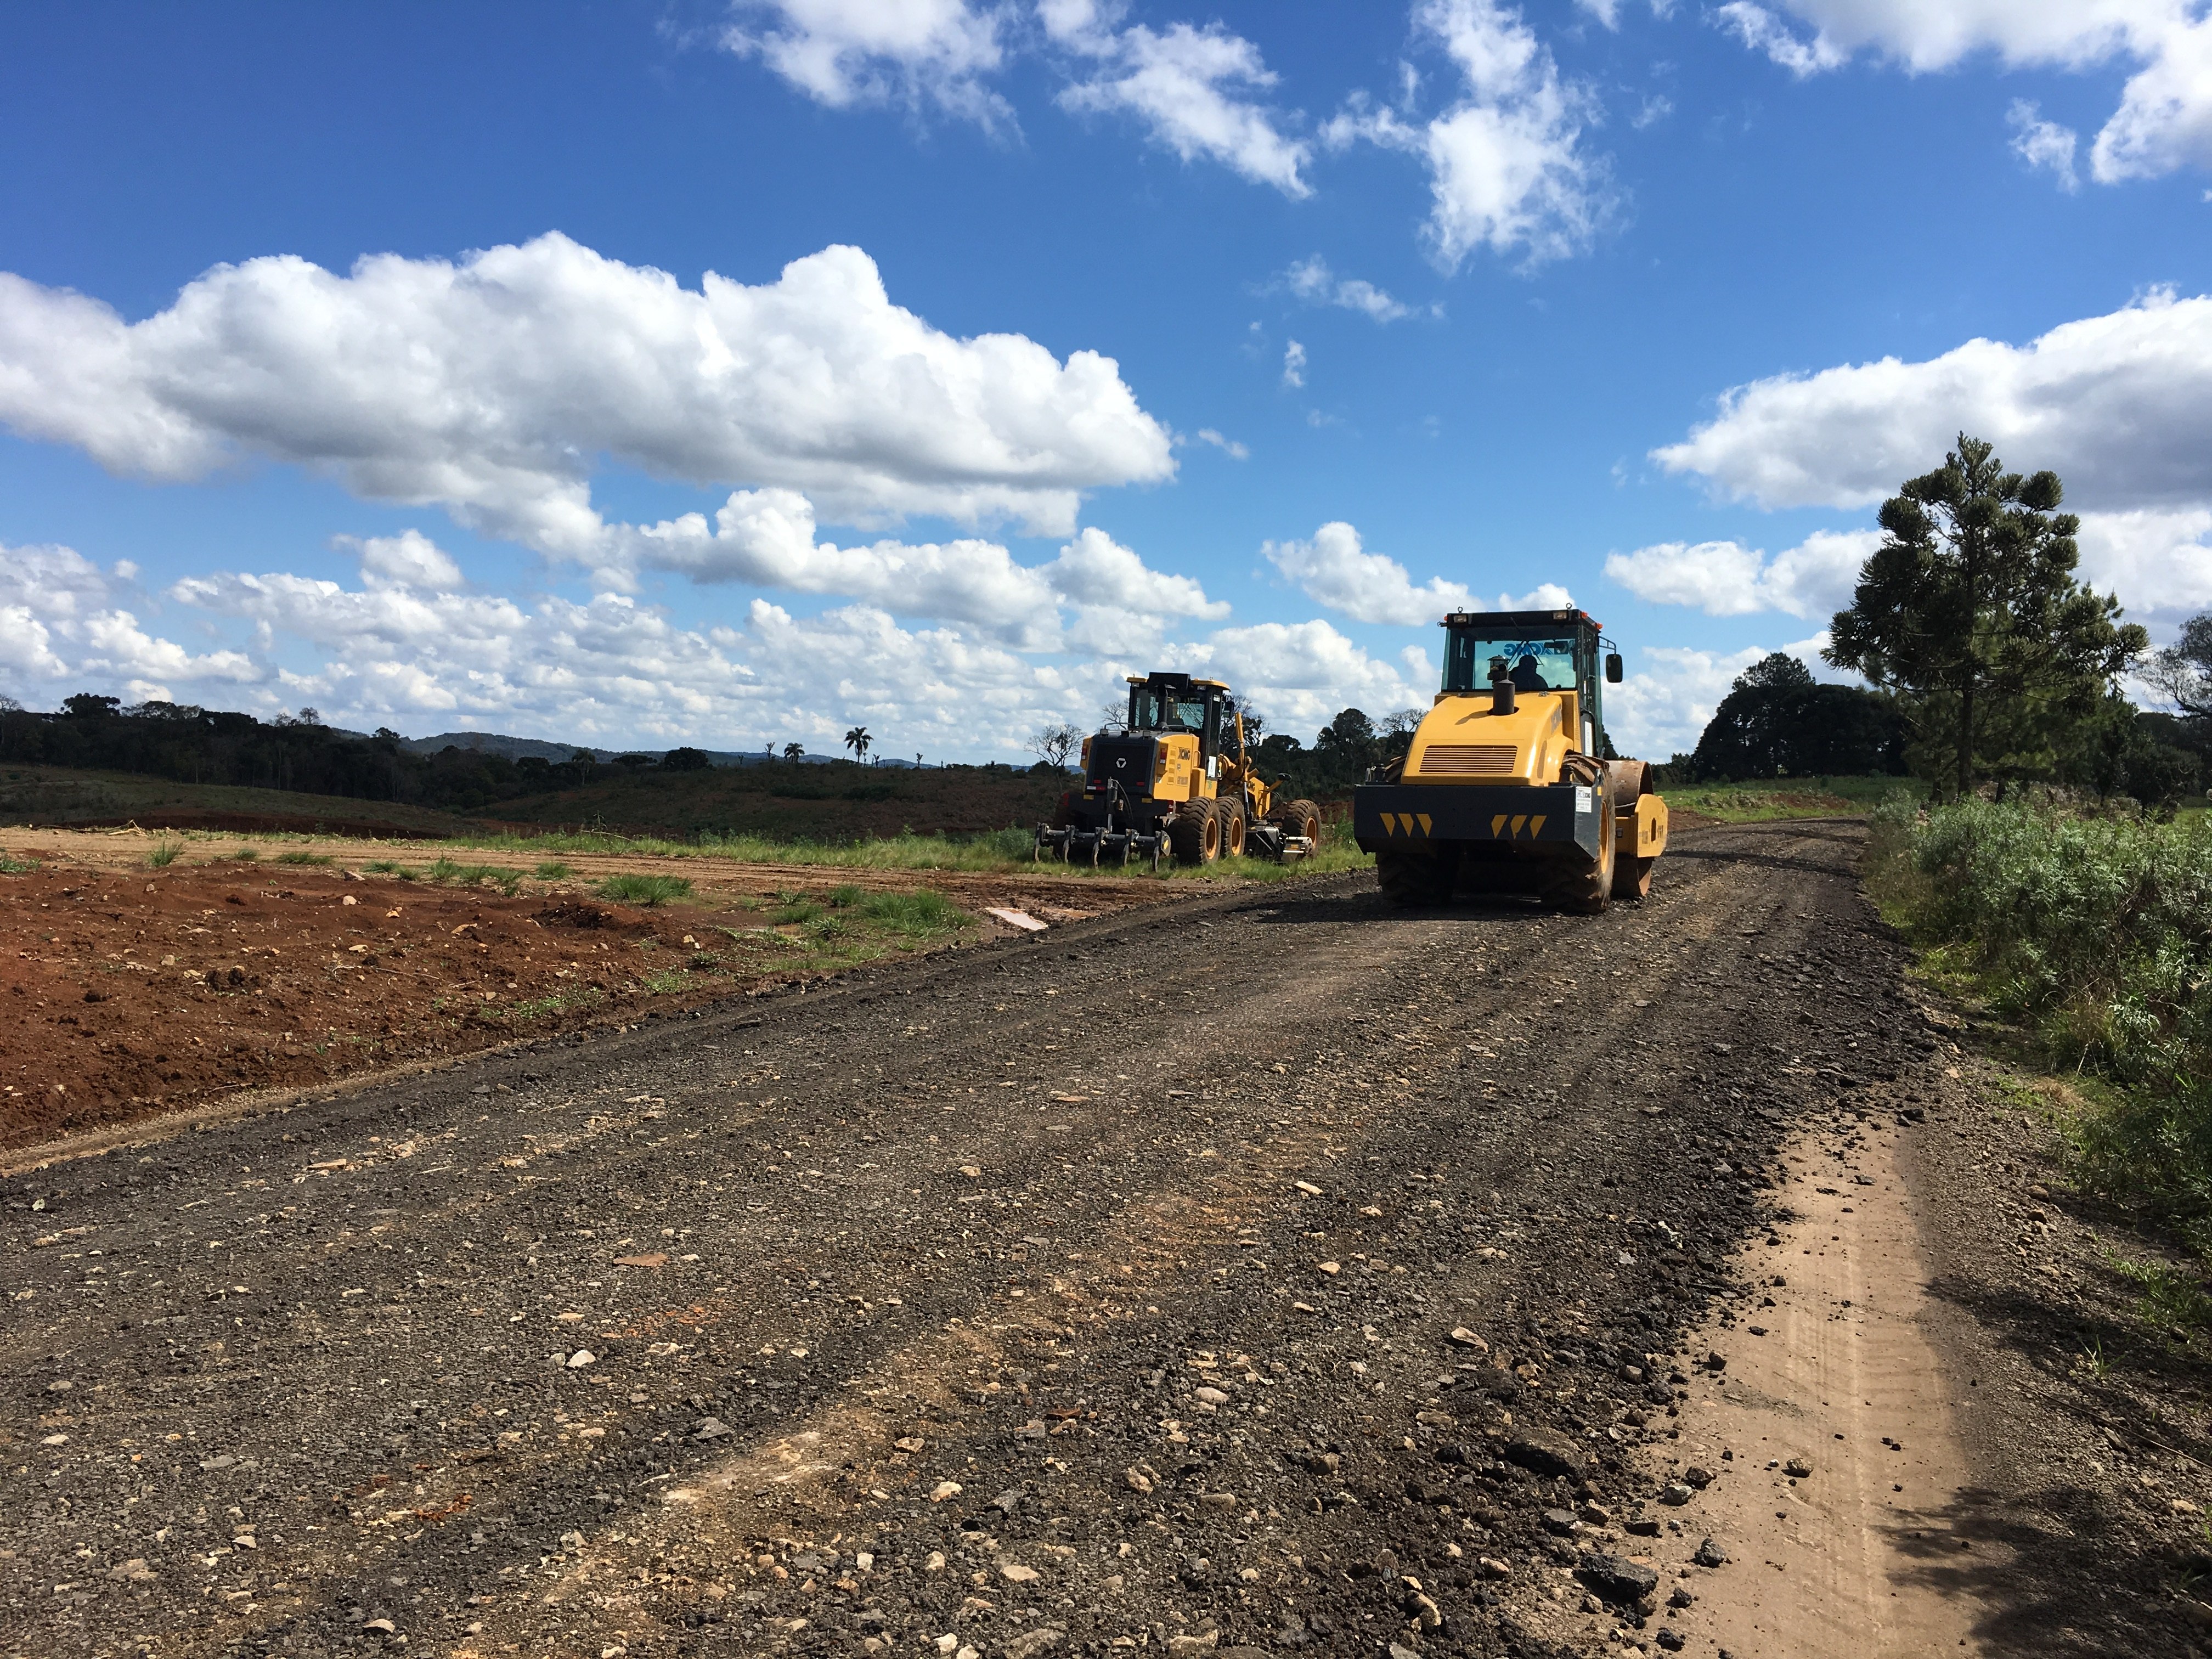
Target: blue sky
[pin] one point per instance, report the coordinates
(1403, 305)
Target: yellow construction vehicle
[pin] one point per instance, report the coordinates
(1177, 778)
(1503, 788)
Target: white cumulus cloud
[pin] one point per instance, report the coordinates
(1300, 675)
(490, 387)
(2116, 404)
(1508, 169)
(1727, 578)
(1336, 571)
(766, 538)
(1294, 366)
(1312, 281)
(844, 53)
(1196, 91)
(2045, 145)
(63, 628)
(2163, 120)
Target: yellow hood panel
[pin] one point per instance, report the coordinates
(1460, 740)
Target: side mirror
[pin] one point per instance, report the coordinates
(1613, 668)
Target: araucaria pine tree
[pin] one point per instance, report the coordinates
(1970, 614)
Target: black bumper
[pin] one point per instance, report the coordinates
(1550, 816)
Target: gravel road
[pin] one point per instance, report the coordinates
(1257, 1273)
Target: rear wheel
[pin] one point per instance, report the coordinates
(1413, 876)
(1195, 833)
(1300, 818)
(1232, 814)
(1582, 888)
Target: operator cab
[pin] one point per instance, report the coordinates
(1537, 651)
(1177, 702)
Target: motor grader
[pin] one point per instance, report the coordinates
(1177, 778)
(1504, 788)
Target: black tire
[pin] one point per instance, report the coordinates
(1587, 889)
(1195, 833)
(1300, 818)
(1417, 877)
(1232, 814)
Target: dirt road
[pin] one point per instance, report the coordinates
(1274, 1270)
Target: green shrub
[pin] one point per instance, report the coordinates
(2095, 933)
(243, 854)
(922, 912)
(381, 867)
(164, 855)
(553, 870)
(843, 898)
(303, 858)
(10, 865)
(794, 911)
(645, 889)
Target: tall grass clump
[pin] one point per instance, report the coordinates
(645, 889)
(2095, 933)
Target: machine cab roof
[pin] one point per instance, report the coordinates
(1538, 651)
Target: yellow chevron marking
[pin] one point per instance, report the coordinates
(1425, 819)
(1498, 824)
(1536, 824)
(1389, 823)
(1519, 818)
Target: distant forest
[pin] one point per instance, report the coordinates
(294, 752)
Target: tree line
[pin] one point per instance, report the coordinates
(294, 752)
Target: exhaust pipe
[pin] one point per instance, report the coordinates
(1501, 687)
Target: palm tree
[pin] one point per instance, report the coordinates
(793, 750)
(857, 740)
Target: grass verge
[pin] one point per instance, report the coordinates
(1788, 797)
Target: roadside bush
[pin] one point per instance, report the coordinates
(2095, 933)
(645, 889)
(917, 913)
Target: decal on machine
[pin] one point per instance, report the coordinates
(1402, 823)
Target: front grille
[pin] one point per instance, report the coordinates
(1124, 758)
(1480, 760)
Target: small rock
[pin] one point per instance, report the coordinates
(1642, 1527)
(1616, 1579)
(1681, 1599)
(384, 1624)
(1015, 1573)
(133, 1571)
(1593, 1515)
(1031, 1642)
(1007, 1502)
(1491, 1567)
(1561, 1522)
(1677, 1494)
(1210, 1396)
(1140, 1478)
(945, 1489)
(1714, 1362)
(1694, 1476)
(1541, 1452)
(1863, 1181)
(1464, 1337)
(712, 1429)
(1436, 1419)
(1710, 1554)
(1671, 1640)
(1798, 1469)
(581, 1358)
